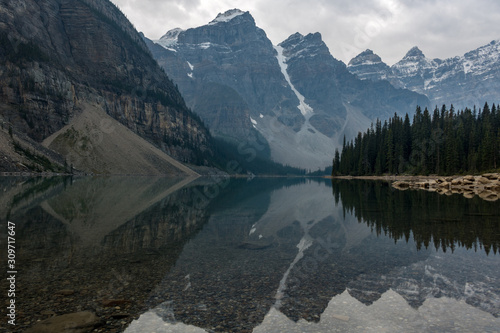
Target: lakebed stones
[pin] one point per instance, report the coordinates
(486, 186)
(78, 322)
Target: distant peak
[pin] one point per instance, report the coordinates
(296, 35)
(169, 40)
(293, 38)
(172, 34)
(227, 16)
(364, 58)
(296, 38)
(414, 53)
(314, 36)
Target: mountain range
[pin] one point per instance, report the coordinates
(292, 102)
(464, 81)
(83, 90)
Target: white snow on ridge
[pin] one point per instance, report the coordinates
(227, 16)
(169, 40)
(167, 46)
(365, 63)
(253, 121)
(190, 66)
(303, 106)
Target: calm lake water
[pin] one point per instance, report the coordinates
(252, 255)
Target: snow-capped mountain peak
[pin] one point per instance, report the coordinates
(227, 16)
(169, 39)
(465, 81)
(482, 59)
(414, 63)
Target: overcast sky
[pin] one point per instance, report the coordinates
(440, 28)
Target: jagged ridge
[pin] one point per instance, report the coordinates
(471, 79)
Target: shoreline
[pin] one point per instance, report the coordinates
(391, 177)
(486, 186)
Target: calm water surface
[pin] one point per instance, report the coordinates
(260, 255)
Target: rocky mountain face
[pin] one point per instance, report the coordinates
(59, 57)
(294, 98)
(228, 73)
(335, 96)
(464, 81)
(368, 65)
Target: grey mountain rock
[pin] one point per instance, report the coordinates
(464, 81)
(368, 65)
(292, 102)
(59, 57)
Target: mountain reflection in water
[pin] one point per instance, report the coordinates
(261, 255)
(307, 262)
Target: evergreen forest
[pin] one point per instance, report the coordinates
(442, 142)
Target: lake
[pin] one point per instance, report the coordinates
(152, 254)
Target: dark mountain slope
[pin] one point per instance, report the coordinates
(60, 56)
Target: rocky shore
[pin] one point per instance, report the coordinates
(485, 186)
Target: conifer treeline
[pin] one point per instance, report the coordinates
(444, 142)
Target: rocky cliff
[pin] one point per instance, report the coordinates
(60, 56)
(227, 72)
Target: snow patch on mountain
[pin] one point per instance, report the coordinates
(304, 108)
(205, 45)
(467, 66)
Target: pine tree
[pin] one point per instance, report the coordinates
(336, 163)
(448, 142)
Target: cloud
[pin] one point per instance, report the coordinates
(389, 27)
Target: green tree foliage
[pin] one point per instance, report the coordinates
(444, 142)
